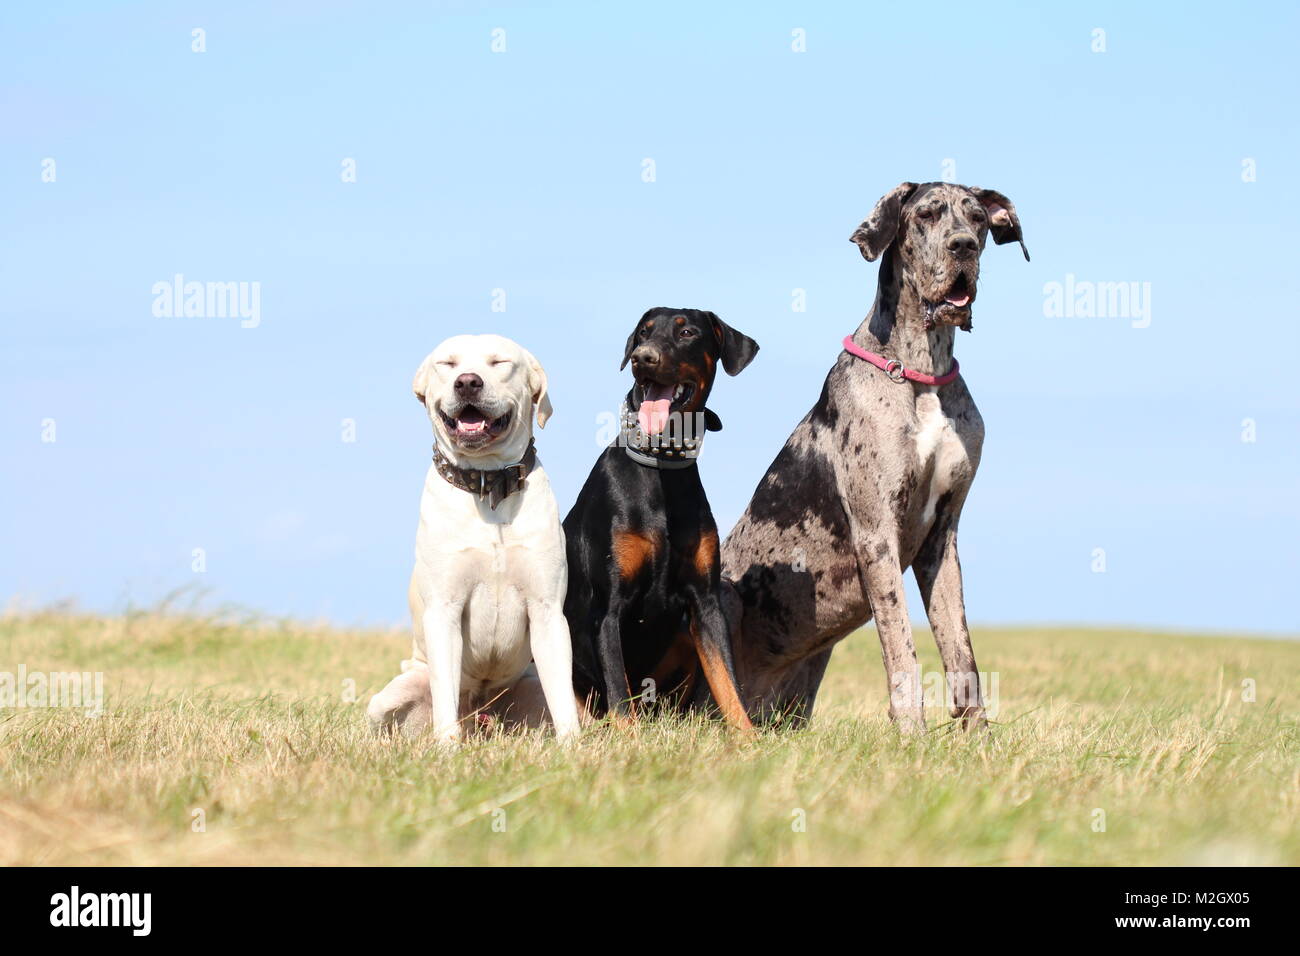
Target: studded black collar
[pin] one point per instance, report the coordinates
(495, 484)
(664, 451)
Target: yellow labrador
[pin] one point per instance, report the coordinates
(487, 592)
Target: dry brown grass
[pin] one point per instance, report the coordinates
(249, 723)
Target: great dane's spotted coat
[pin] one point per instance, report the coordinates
(873, 480)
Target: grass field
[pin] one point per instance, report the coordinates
(236, 743)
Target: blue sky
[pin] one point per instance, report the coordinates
(1169, 159)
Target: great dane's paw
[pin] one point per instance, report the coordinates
(908, 723)
(970, 719)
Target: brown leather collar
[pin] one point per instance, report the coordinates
(496, 484)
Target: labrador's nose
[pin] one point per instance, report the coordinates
(468, 385)
(645, 356)
(962, 245)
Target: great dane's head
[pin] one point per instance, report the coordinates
(675, 355)
(937, 231)
(481, 393)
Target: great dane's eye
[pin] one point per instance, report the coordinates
(977, 213)
(925, 212)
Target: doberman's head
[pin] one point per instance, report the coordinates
(937, 231)
(675, 355)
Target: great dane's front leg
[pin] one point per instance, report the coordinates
(938, 575)
(712, 640)
(443, 642)
(883, 579)
(548, 634)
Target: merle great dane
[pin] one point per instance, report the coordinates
(873, 480)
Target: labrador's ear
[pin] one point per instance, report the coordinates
(1004, 224)
(420, 385)
(737, 348)
(631, 340)
(537, 388)
(878, 230)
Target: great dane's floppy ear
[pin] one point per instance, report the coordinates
(1004, 224)
(738, 349)
(420, 385)
(879, 229)
(537, 386)
(631, 341)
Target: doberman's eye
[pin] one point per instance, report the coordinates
(643, 333)
(687, 333)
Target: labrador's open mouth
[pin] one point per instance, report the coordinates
(471, 426)
(655, 402)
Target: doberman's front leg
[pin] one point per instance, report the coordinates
(609, 645)
(712, 640)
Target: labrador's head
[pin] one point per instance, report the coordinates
(482, 393)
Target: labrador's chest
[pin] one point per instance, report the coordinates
(490, 563)
(465, 542)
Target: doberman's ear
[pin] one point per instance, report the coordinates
(537, 387)
(738, 349)
(712, 423)
(879, 229)
(1004, 224)
(631, 340)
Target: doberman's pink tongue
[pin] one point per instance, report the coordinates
(653, 413)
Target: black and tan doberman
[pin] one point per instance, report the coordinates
(873, 480)
(643, 603)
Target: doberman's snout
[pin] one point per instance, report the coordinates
(962, 245)
(468, 386)
(645, 357)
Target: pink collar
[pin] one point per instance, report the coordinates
(894, 368)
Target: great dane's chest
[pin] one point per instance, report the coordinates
(943, 451)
